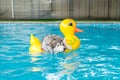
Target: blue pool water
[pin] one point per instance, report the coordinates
(98, 57)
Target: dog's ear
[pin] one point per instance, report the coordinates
(61, 40)
(67, 46)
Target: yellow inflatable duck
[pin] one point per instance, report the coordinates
(68, 28)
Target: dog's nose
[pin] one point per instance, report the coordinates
(64, 49)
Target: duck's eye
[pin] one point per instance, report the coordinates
(70, 24)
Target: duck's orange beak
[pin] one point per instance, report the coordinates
(78, 30)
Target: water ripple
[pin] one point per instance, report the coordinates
(97, 58)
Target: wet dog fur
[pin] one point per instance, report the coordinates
(53, 44)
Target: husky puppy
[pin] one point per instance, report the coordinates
(53, 44)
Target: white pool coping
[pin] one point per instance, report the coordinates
(47, 22)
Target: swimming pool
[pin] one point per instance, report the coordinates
(98, 57)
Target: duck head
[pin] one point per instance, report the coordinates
(68, 27)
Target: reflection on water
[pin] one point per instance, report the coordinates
(35, 69)
(55, 66)
(34, 59)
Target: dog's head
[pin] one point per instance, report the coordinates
(57, 45)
